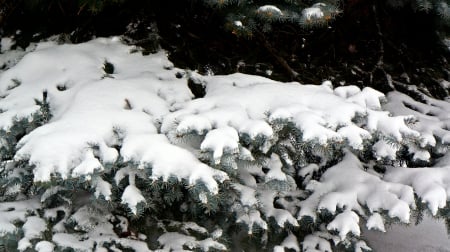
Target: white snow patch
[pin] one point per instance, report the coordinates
(348, 186)
(316, 242)
(247, 194)
(251, 218)
(383, 149)
(44, 246)
(431, 184)
(290, 242)
(275, 172)
(172, 241)
(220, 141)
(312, 13)
(131, 197)
(375, 222)
(10, 212)
(34, 227)
(346, 222)
(168, 160)
(270, 9)
(102, 188)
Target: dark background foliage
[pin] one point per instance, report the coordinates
(370, 43)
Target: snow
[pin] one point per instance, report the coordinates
(314, 12)
(290, 242)
(251, 218)
(44, 246)
(316, 243)
(13, 211)
(432, 116)
(270, 9)
(141, 114)
(168, 160)
(172, 241)
(248, 194)
(383, 149)
(220, 141)
(275, 172)
(6, 44)
(102, 188)
(281, 216)
(79, 139)
(431, 184)
(33, 228)
(334, 191)
(238, 23)
(131, 197)
(376, 222)
(346, 222)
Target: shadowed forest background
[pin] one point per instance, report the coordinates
(382, 44)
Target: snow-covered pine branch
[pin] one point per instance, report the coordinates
(127, 158)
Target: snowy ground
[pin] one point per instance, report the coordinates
(108, 102)
(429, 236)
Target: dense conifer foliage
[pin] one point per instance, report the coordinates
(220, 125)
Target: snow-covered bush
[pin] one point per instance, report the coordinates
(102, 147)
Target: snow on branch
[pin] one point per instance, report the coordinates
(275, 155)
(335, 192)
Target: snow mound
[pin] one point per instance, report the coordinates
(252, 105)
(94, 111)
(290, 151)
(334, 191)
(432, 184)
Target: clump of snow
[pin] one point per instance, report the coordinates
(220, 141)
(432, 116)
(317, 242)
(168, 160)
(172, 241)
(348, 186)
(383, 149)
(9, 57)
(281, 216)
(270, 9)
(44, 246)
(432, 185)
(6, 44)
(10, 212)
(33, 228)
(275, 172)
(346, 222)
(131, 197)
(89, 108)
(375, 221)
(290, 242)
(238, 23)
(247, 104)
(314, 12)
(96, 230)
(252, 218)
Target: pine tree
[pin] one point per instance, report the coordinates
(236, 167)
(275, 175)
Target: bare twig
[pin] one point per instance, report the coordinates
(379, 66)
(294, 75)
